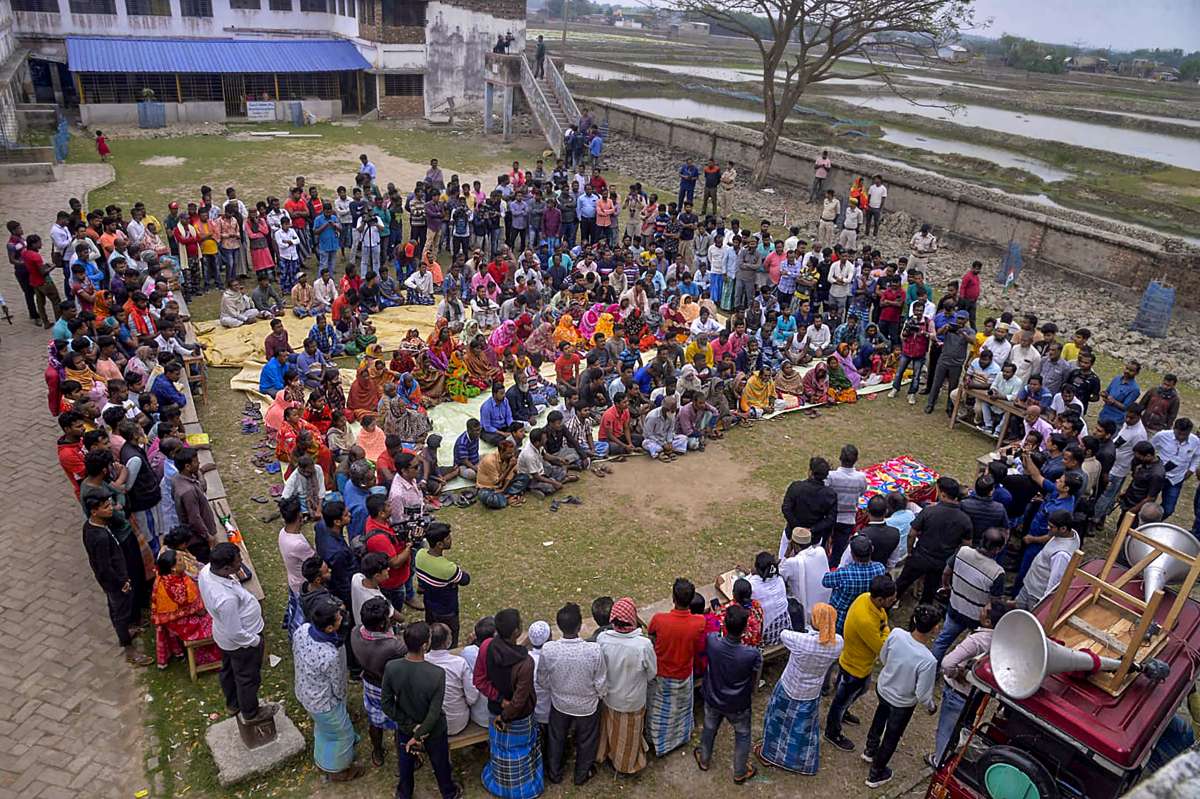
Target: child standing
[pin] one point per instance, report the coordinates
(102, 146)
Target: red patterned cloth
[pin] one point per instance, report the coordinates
(905, 473)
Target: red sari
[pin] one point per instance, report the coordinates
(178, 614)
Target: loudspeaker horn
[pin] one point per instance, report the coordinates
(1163, 570)
(1022, 656)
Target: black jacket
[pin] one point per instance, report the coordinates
(812, 504)
(105, 557)
(985, 512)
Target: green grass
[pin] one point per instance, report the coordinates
(635, 531)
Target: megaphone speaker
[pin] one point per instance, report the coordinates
(1022, 656)
(1163, 570)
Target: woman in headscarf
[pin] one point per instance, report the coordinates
(587, 323)
(758, 395)
(565, 331)
(503, 338)
(842, 355)
(403, 420)
(858, 194)
(481, 362)
(371, 438)
(605, 325)
(815, 385)
(317, 413)
(689, 380)
(743, 595)
(678, 328)
(408, 391)
(524, 327)
(540, 344)
(470, 329)
(366, 390)
(441, 344)
(178, 614)
(274, 416)
(431, 380)
(840, 387)
(792, 723)
(789, 384)
(331, 388)
(78, 369)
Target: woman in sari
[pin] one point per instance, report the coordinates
(842, 355)
(676, 326)
(565, 331)
(366, 390)
(540, 344)
(481, 363)
(792, 723)
(274, 416)
(524, 328)
(258, 232)
(401, 419)
(789, 384)
(431, 379)
(689, 309)
(78, 369)
(840, 387)
(458, 381)
(178, 614)
(758, 395)
(371, 438)
(331, 389)
(408, 391)
(298, 436)
(503, 338)
(815, 385)
(293, 388)
(858, 194)
(317, 413)
(587, 322)
(441, 344)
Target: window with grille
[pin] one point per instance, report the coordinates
(148, 8)
(201, 87)
(403, 14)
(248, 5)
(260, 86)
(318, 6)
(366, 12)
(195, 8)
(298, 85)
(93, 7)
(127, 87)
(350, 8)
(44, 6)
(279, 5)
(404, 85)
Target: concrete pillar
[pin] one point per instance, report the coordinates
(509, 91)
(56, 82)
(489, 96)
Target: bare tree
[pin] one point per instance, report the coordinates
(807, 38)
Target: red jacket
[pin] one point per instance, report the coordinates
(915, 345)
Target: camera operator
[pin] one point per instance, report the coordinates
(406, 515)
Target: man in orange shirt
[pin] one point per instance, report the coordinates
(108, 238)
(678, 637)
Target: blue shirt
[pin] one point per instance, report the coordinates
(495, 416)
(342, 564)
(270, 379)
(732, 671)
(356, 503)
(1125, 393)
(327, 234)
(848, 582)
(304, 362)
(1043, 397)
(166, 392)
(1040, 525)
(688, 174)
(326, 337)
(585, 206)
(644, 380)
(596, 144)
(466, 450)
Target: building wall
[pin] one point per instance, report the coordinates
(225, 21)
(1090, 253)
(10, 128)
(458, 34)
(127, 113)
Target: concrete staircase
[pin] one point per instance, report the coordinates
(553, 107)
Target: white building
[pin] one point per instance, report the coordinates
(204, 59)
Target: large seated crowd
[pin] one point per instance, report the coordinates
(599, 325)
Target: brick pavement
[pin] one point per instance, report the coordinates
(70, 709)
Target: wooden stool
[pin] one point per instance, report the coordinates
(193, 669)
(199, 378)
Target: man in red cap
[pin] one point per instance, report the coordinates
(631, 666)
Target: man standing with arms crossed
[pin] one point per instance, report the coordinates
(821, 168)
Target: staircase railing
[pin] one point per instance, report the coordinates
(541, 107)
(561, 92)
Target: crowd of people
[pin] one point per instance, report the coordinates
(599, 326)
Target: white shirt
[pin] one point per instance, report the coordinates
(461, 692)
(360, 593)
(1027, 360)
(286, 241)
(923, 244)
(772, 595)
(852, 219)
(541, 709)
(808, 661)
(342, 209)
(716, 259)
(274, 216)
(830, 209)
(841, 275)
(136, 230)
(876, 195)
(60, 238)
(816, 339)
(420, 282)
(802, 575)
(1184, 455)
(574, 672)
(631, 664)
(709, 327)
(1058, 405)
(1127, 436)
(999, 349)
(529, 459)
(236, 614)
(325, 291)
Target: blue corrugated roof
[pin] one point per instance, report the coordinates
(104, 54)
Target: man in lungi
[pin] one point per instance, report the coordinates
(678, 637)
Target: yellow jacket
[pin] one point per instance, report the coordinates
(865, 631)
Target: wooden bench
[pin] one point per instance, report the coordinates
(471, 735)
(193, 669)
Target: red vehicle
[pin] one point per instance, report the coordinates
(1071, 739)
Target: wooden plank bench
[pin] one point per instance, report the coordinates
(471, 735)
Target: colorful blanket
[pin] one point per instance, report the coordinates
(905, 473)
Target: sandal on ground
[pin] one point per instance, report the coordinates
(751, 771)
(259, 500)
(517, 500)
(758, 754)
(599, 472)
(699, 762)
(571, 499)
(554, 506)
(138, 659)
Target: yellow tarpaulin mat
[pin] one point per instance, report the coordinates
(236, 346)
